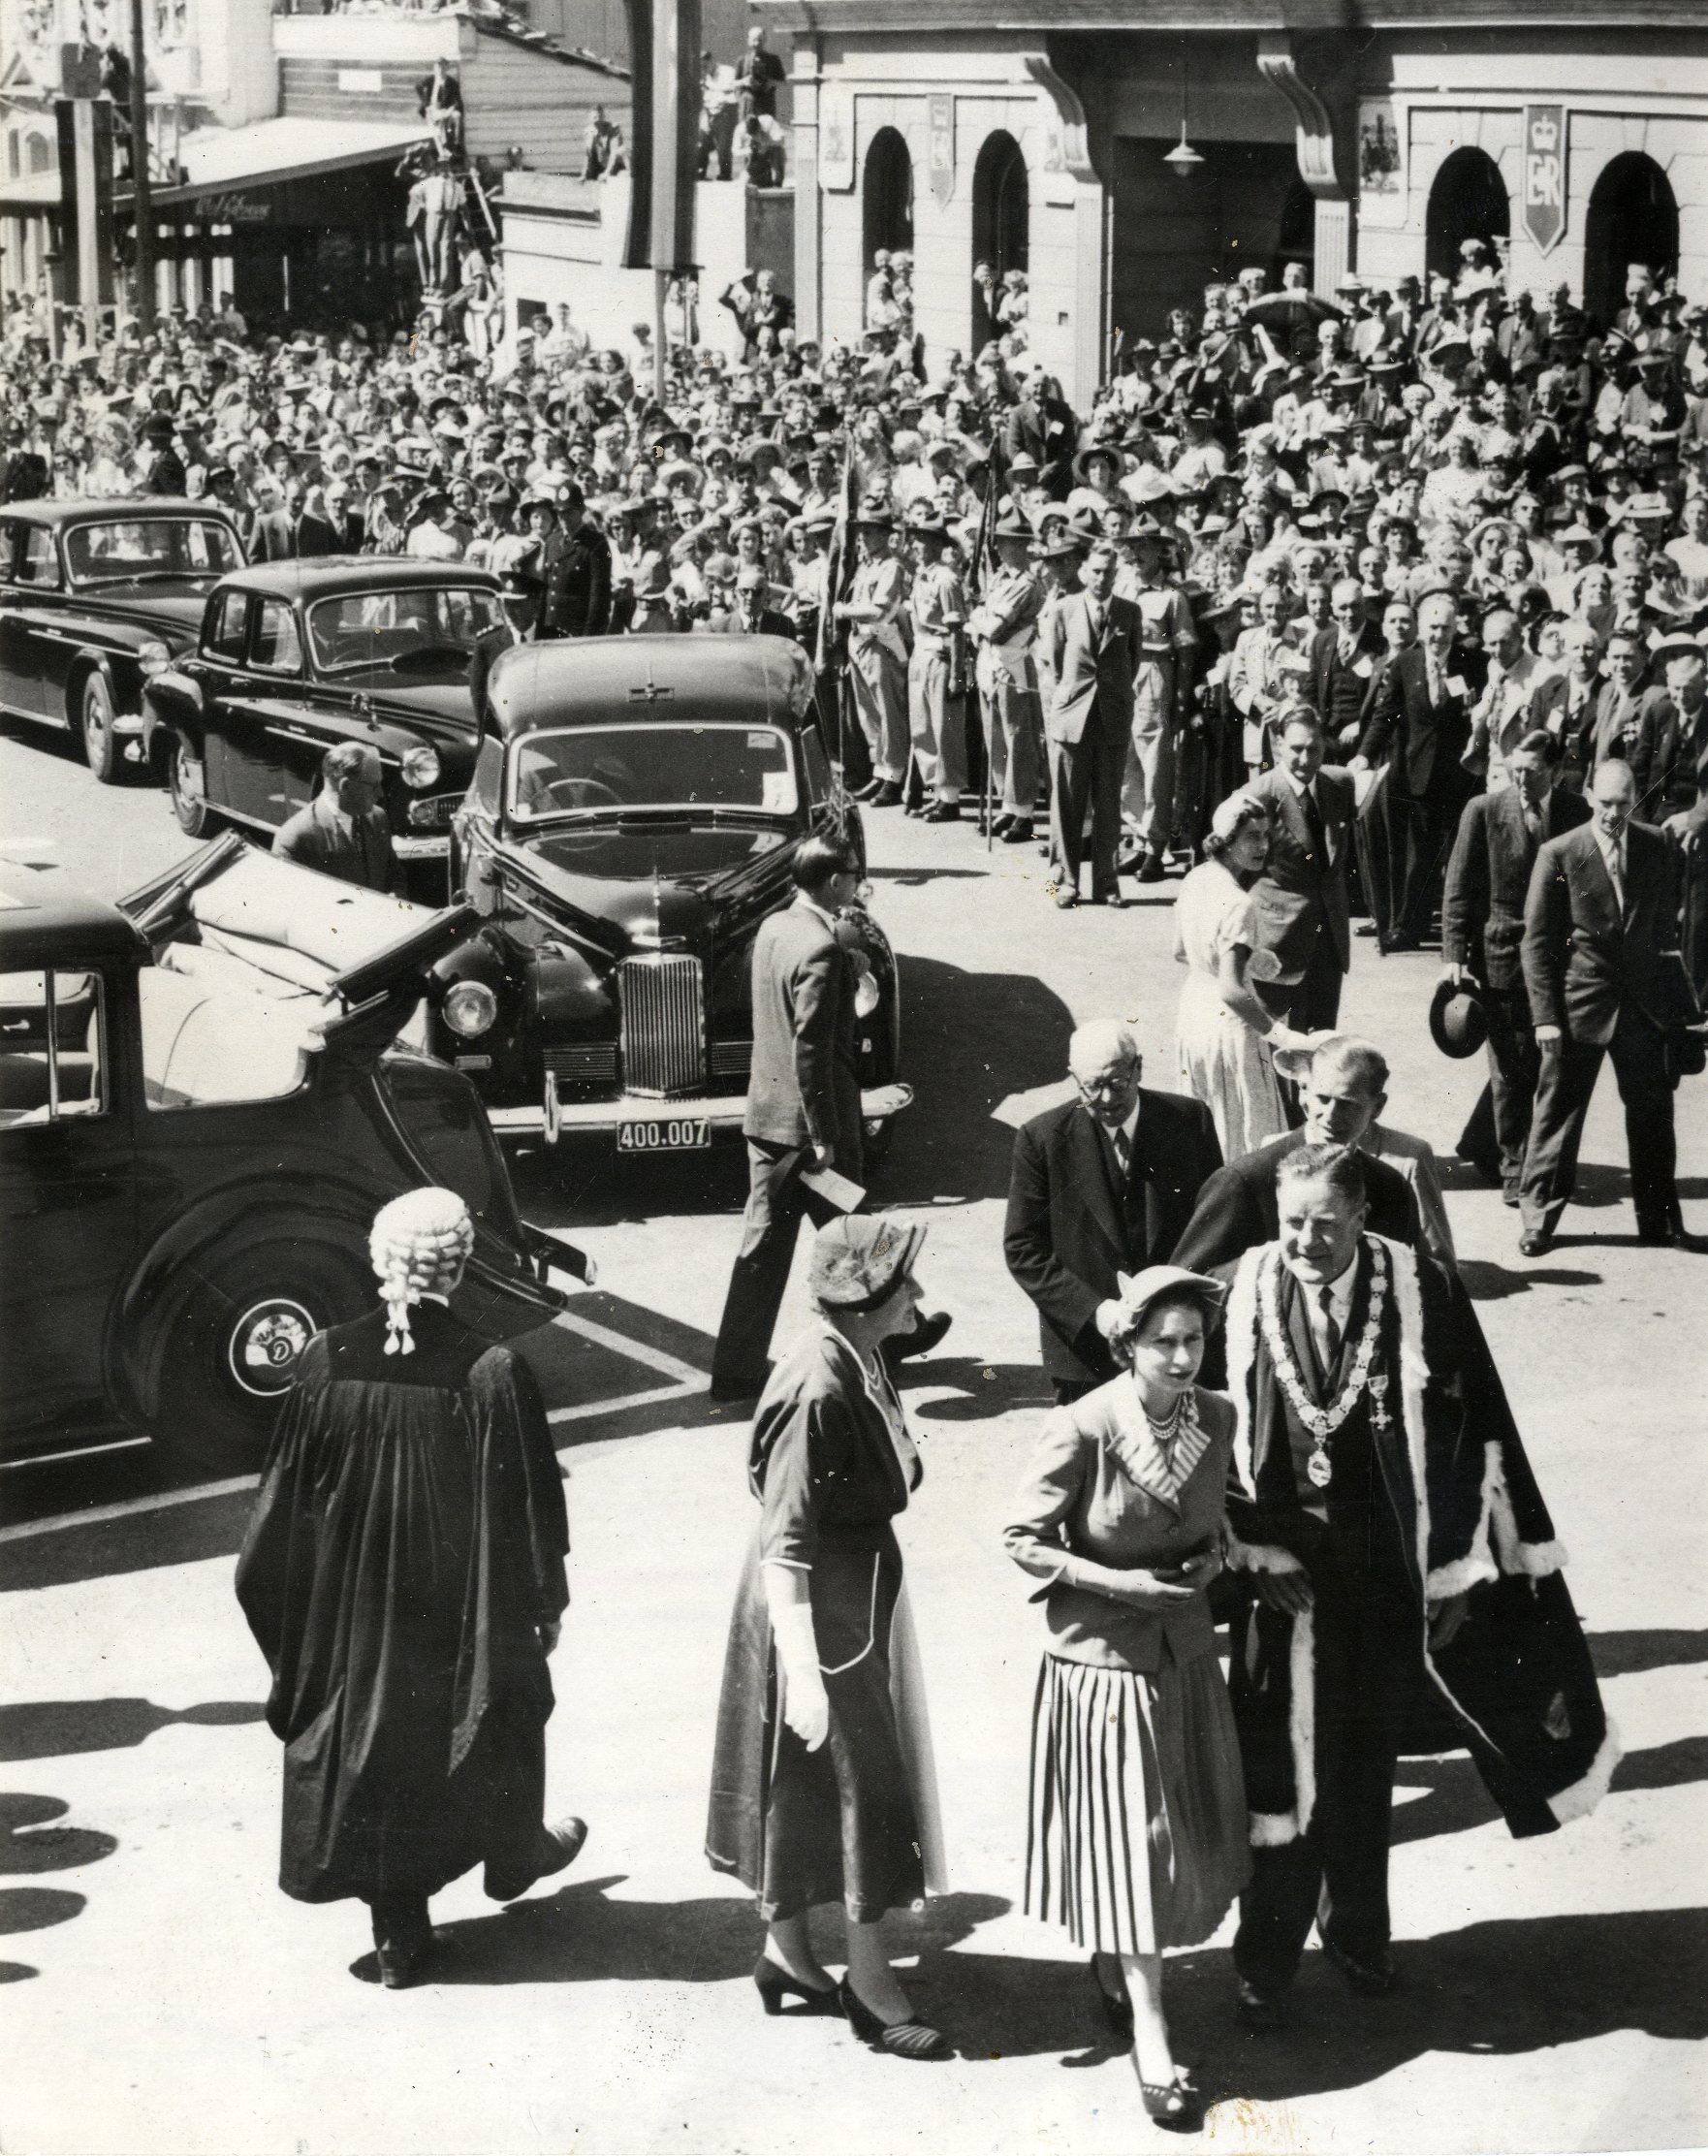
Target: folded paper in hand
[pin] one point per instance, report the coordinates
(839, 1191)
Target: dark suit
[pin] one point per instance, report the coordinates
(732, 622)
(1482, 926)
(1339, 690)
(1089, 725)
(1301, 902)
(577, 599)
(355, 851)
(487, 651)
(1072, 1225)
(1423, 745)
(318, 535)
(1609, 979)
(273, 537)
(804, 1091)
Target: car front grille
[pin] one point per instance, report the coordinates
(587, 1063)
(732, 1059)
(663, 1033)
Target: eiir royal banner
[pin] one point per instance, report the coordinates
(1544, 174)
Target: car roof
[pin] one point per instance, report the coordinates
(327, 576)
(47, 920)
(81, 508)
(663, 679)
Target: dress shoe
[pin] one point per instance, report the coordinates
(1153, 871)
(927, 1334)
(887, 796)
(903, 2040)
(1000, 825)
(1257, 2010)
(1534, 1241)
(773, 1984)
(1669, 1235)
(1374, 1977)
(1129, 861)
(1019, 832)
(1066, 896)
(401, 1965)
(1109, 898)
(941, 811)
(555, 1849)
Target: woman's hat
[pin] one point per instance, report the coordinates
(1137, 1291)
(1458, 1024)
(858, 1259)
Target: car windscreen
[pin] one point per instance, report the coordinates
(603, 769)
(133, 547)
(426, 629)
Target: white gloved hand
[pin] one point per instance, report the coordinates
(805, 1704)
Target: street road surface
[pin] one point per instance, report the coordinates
(166, 1997)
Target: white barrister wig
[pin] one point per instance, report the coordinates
(419, 1245)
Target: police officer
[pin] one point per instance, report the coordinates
(936, 672)
(1006, 624)
(877, 655)
(1162, 691)
(577, 599)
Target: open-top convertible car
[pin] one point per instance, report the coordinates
(631, 821)
(95, 598)
(295, 656)
(201, 1110)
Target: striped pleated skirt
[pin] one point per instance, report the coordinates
(1137, 1837)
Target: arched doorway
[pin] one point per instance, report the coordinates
(1632, 217)
(1297, 238)
(1001, 220)
(1467, 201)
(887, 198)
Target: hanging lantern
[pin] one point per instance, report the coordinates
(1183, 160)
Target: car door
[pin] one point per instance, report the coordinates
(30, 617)
(220, 672)
(67, 1187)
(271, 748)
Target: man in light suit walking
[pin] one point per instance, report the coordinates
(1093, 641)
(1604, 978)
(1304, 940)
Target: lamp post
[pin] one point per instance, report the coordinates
(142, 192)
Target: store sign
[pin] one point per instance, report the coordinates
(941, 159)
(1544, 174)
(233, 209)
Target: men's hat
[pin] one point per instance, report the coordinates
(1649, 505)
(924, 523)
(1011, 525)
(877, 515)
(858, 1259)
(1577, 535)
(1450, 352)
(1458, 1024)
(1677, 644)
(1059, 540)
(1023, 464)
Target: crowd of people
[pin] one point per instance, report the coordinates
(1377, 566)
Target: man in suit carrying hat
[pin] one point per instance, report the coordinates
(1093, 644)
(1304, 937)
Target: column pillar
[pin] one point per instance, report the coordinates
(809, 293)
(1313, 140)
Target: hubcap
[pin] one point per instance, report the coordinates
(95, 716)
(267, 1344)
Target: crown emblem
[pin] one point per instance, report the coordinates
(1544, 134)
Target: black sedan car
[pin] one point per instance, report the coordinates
(201, 1107)
(95, 598)
(295, 657)
(631, 821)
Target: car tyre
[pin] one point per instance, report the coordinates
(196, 821)
(232, 1344)
(101, 750)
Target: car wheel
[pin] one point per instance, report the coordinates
(233, 1348)
(184, 782)
(101, 746)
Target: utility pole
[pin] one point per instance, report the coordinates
(141, 191)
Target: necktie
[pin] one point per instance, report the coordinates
(1616, 869)
(1330, 1331)
(1123, 1154)
(1435, 681)
(1313, 822)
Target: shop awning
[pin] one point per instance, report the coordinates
(233, 159)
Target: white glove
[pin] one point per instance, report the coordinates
(807, 1707)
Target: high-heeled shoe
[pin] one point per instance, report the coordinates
(1176, 2106)
(903, 2040)
(774, 1984)
(1117, 2007)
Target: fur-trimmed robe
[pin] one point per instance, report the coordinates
(1515, 1686)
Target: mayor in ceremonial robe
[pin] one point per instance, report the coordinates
(1407, 1589)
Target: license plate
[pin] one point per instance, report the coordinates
(664, 1134)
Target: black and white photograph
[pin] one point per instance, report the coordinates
(853, 1078)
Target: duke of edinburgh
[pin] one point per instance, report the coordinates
(1407, 1588)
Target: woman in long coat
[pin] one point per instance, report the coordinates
(822, 1787)
(405, 1576)
(1137, 1836)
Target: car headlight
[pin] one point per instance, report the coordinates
(469, 1008)
(420, 767)
(153, 659)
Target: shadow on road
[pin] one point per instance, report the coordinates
(582, 1935)
(58, 1729)
(36, 1908)
(982, 1388)
(1627, 1654)
(30, 1844)
(1488, 1283)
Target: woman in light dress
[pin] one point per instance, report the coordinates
(1225, 1034)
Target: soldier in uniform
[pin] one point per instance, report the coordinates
(1161, 697)
(1006, 626)
(878, 657)
(937, 673)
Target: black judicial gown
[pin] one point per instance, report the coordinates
(408, 1540)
